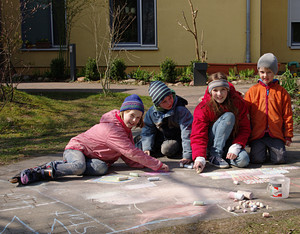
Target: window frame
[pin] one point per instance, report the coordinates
(292, 19)
(51, 27)
(139, 45)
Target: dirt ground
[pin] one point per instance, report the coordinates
(278, 222)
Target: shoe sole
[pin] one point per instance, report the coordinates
(219, 166)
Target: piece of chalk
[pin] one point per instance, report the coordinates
(198, 203)
(134, 174)
(247, 194)
(266, 215)
(236, 182)
(181, 164)
(237, 196)
(121, 178)
(153, 178)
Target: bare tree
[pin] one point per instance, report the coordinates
(13, 13)
(116, 23)
(202, 55)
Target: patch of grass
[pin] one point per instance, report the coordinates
(278, 222)
(43, 123)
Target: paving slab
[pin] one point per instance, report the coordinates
(81, 204)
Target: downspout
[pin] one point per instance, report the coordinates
(248, 58)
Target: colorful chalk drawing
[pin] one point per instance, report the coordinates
(250, 176)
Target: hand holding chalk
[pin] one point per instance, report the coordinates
(164, 167)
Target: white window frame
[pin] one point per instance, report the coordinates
(293, 17)
(140, 45)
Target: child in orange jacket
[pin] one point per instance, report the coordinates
(270, 114)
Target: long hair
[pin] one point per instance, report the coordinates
(227, 105)
(140, 123)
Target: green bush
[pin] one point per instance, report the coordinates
(168, 70)
(118, 68)
(140, 74)
(91, 72)
(289, 82)
(184, 74)
(57, 68)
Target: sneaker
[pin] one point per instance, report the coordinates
(218, 162)
(30, 175)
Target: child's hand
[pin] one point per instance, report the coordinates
(164, 167)
(231, 156)
(147, 152)
(186, 161)
(288, 143)
(198, 166)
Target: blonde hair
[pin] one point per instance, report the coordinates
(140, 123)
(227, 105)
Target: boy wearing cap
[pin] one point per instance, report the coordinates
(270, 114)
(168, 125)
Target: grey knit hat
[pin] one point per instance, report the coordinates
(158, 91)
(268, 61)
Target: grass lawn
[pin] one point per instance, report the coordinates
(39, 124)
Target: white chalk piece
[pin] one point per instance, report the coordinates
(266, 215)
(153, 178)
(247, 194)
(261, 205)
(198, 203)
(134, 174)
(237, 196)
(236, 182)
(189, 166)
(245, 211)
(253, 209)
(122, 178)
(230, 209)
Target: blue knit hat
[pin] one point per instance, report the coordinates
(158, 91)
(132, 102)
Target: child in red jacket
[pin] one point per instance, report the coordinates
(270, 114)
(221, 126)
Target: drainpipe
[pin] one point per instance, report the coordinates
(248, 58)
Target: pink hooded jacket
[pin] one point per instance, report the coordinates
(111, 139)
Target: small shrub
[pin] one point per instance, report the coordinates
(185, 74)
(246, 74)
(168, 70)
(118, 68)
(289, 82)
(57, 68)
(91, 72)
(140, 74)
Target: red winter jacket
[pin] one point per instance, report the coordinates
(204, 118)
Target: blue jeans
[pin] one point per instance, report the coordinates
(75, 163)
(219, 140)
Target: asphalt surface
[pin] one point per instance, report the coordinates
(80, 204)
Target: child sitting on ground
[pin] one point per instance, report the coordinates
(168, 125)
(221, 126)
(94, 151)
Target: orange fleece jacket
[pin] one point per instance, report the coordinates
(270, 111)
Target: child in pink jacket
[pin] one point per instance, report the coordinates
(92, 152)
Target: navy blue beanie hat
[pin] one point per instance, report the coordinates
(132, 102)
(158, 91)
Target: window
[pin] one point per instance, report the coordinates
(294, 24)
(47, 24)
(134, 23)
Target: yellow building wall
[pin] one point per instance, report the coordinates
(222, 21)
(274, 31)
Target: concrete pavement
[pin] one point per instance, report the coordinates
(105, 205)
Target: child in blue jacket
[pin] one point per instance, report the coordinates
(168, 125)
